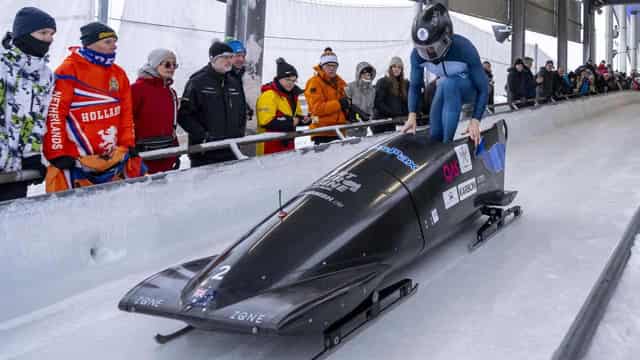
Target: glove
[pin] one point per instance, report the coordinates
(133, 152)
(345, 103)
(63, 162)
(304, 120)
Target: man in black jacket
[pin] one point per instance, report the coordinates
(518, 82)
(213, 106)
(548, 84)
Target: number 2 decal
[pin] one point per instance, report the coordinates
(222, 270)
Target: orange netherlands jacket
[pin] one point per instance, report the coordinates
(90, 111)
(323, 97)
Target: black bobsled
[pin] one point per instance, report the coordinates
(318, 264)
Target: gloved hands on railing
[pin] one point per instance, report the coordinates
(345, 104)
(63, 162)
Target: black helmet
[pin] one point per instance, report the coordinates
(432, 32)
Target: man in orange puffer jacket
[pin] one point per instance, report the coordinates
(326, 97)
(90, 122)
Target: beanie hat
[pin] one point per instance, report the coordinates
(328, 57)
(30, 19)
(396, 61)
(94, 32)
(285, 69)
(155, 58)
(218, 48)
(518, 61)
(237, 46)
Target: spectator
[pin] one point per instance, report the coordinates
(531, 82)
(518, 82)
(279, 109)
(90, 136)
(213, 106)
(362, 94)
(326, 97)
(391, 95)
(547, 82)
(602, 68)
(610, 83)
(239, 70)
(487, 69)
(584, 83)
(25, 90)
(155, 108)
(565, 84)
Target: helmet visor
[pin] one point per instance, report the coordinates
(435, 51)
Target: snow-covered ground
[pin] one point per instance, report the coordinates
(575, 165)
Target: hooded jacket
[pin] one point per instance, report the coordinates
(276, 110)
(363, 93)
(25, 90)
(323, 97)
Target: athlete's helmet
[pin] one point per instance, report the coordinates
(432, 32)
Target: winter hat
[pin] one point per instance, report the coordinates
(518, 61)
(94, 32)
(237, 46)
(30, 19)
(396, 61)
(218, 48)
(155, 58)
(328, 57)
(285, 69)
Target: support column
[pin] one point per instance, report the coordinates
(588, 40)
(623, 49)
(633, 43)
(103, 11)
(608, 33)
(518, 25)
(563, 33)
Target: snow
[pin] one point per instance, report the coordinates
(513, 298)
(619, 331)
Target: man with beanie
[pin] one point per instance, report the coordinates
(25, 90)
(326, 97)
(213, 106)
(362, 94)
(90, 122)
(279, 109)
(250, 88)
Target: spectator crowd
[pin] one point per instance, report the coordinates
(85, 123)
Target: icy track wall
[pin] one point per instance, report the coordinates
(54, 247)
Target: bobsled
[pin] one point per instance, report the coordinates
(318, 264)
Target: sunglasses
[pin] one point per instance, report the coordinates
(170, 65)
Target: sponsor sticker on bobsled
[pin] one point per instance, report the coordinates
(467, 188)
(254, 318)
(400, 156)
(341, 182)
(464, 158)
(434, 216)
(148, 301)
(450, 197)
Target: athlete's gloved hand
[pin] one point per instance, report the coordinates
(345, 103)
(474, 131)
(63, 162)
(411, 124)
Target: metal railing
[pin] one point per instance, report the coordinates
(233, 144)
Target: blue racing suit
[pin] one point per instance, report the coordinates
(461, 80)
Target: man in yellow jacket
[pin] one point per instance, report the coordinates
(278, 108)
(326, 97)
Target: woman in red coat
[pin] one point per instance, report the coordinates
(155, 107)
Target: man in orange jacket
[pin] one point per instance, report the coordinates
(90, 122)
(326, 97)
